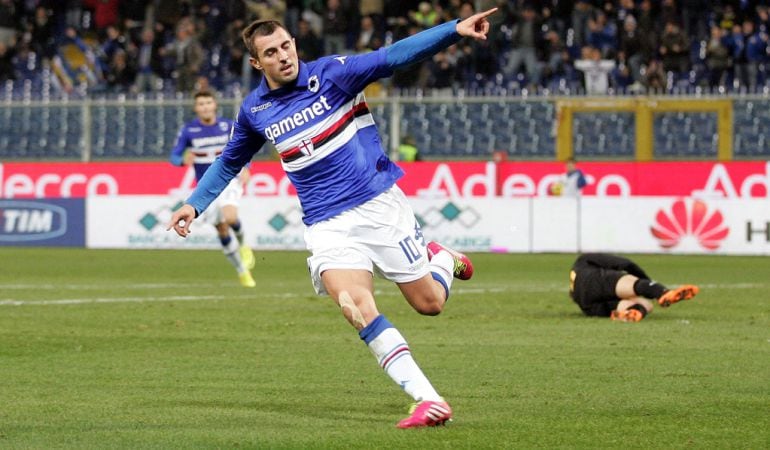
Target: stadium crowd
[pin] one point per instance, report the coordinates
(593, 46)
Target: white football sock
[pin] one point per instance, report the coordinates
(233, 255)
(442, 265)
(393, 355)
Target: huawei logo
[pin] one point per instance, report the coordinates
(689, 221)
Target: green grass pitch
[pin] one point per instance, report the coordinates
(163, 349)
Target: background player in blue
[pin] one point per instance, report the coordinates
(358, 222)
(199, 143)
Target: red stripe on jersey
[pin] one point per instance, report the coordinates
(357, 110)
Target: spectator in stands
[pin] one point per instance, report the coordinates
(557, 56)
(607, 24)
(756, 54)
(6, 62)
(266, 9)
(8, 22)
(524, 43)
(675, 50)
(41, 31)
(654, 77)
(727, 18)
(668, 13)
(443, 71)
(633, 49)
(407, 150)
(369, 38)
(148, 61)
(596, 71)
(695, 18)
(168, 13)
(581, 14)
(763, 20)
(413, 76)
(605, 285)
(132, 18)
(736, 43)
(646, 23)
(621, 78)
(625, 9)
(120, 74)
(336, 25)
(105, 13)
(112, 43)
(187, 55)
(425, 16)
(374, 9)
(603, 34)
(717, 57)
(309, 45)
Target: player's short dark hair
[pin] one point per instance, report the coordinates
(203, 94)
(259, 28)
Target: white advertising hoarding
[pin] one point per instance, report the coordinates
(537, 224)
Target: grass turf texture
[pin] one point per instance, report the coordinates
(163, 349)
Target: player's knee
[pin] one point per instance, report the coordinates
(429, 306)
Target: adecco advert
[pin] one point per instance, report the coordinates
(688, 207)
(742, 179)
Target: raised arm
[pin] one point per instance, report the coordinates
(429, 42)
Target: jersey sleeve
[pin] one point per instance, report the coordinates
(182, 143)
(244, 142)
(419, 46)
(353, 73)
(214, 181)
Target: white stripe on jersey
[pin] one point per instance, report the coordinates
(205, 155)
(343, 137)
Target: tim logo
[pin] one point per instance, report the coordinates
(690, 224)
(27, 221)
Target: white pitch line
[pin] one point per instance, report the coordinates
(82, 301)
(288, 295)
(82, 287)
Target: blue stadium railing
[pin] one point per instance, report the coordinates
(457, 127)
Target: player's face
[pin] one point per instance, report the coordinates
(206, 109)
(277, 58)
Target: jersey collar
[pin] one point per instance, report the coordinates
(264, 90)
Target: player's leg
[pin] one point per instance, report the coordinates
(230, 216)
(632, 306)
(630, 285)
(352, 290)
(345, 252)
(231, 250)
(429, 294)
(229, 200)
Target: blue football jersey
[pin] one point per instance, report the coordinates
(323, 131)
(206, 142)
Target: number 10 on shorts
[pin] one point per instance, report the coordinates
(410, 249)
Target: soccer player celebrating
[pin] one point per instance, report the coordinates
(357, 219)
(613, 286)
(199, 143)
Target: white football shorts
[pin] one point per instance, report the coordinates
(381, 236)
(230, 196)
